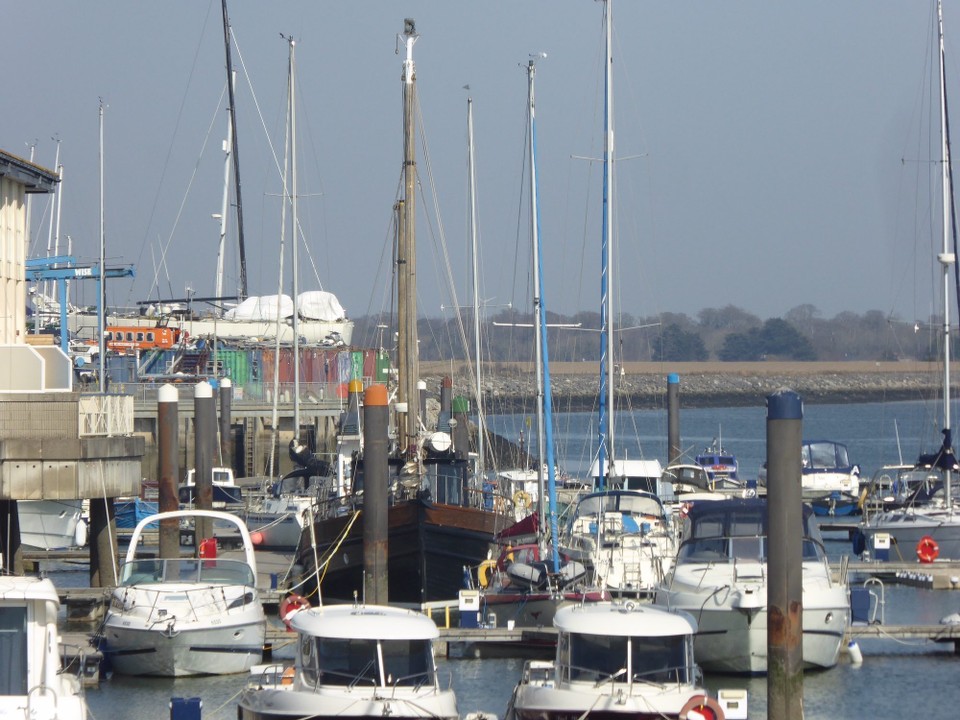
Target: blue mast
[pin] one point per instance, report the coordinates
(545, 404)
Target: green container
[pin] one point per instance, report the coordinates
(234, 364)
(382, 367)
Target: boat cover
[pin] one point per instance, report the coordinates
(320, 305)
(264, 307)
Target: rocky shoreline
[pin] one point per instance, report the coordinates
(513, 387)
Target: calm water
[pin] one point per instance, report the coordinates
(870, 431)
(897, 678)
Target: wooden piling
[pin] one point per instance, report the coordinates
(168, 471)
(375, 455)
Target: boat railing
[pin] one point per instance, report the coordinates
(40, 698)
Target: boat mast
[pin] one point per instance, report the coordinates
(227, 162)
(235, 151)
(408, 370)
(946, 258)
(102, 299)
(472, 191)
(544, 400)
(605, 424)
(295, 241)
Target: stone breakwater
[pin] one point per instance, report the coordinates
(513, 387)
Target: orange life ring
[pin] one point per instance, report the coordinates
(290, 606)
(701, 706)
(927, 549)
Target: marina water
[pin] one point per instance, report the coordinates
(915, 678)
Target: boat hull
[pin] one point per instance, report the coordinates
(51, 524)
(271, 531)
(531, 609)
(222, 650)
(732, 639)
(906, 529)
(535, 702)
(313, 332)
(428, 546)
(278, 704)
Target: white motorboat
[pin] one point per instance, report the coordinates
(720, 577)
(52, 524)
(33, 684)
(354, 661)
(185, 616)
(620, 659)
(624, 538)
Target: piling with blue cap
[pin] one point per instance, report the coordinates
(673, 418)
(784, 556)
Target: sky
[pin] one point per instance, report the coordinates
(769, 154)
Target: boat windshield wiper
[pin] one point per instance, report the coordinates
(360, 675)
(611, 678)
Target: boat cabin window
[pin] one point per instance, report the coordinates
(150, 337)
(357, 662)
(13, 650)
(446, 482)
(595, 658)
(824, 455)
(219, 572)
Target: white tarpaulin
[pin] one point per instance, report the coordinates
(265, 307)
(320, 305)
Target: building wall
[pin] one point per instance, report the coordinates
(13, 247)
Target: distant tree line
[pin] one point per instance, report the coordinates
(725, 334)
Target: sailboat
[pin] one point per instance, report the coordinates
(276, 518)
(528, 581)
(240, 318)
(621, 532)
(438, 519)
(930, 527)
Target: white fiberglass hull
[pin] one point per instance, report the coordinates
(355, 703)
(575, 700)
(312, 332)
(174, 629)
(221, 650)
(732, 625)
(51, 524)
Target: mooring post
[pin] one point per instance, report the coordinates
(205, 437)
(103, 542)
(784, 556)
(226, 423)
(10, 546)
(168, 471)
(673, 418)
(375, 451)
